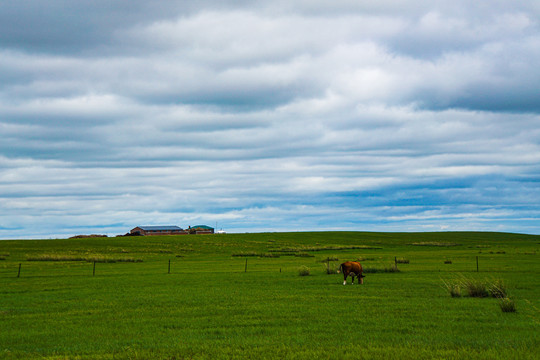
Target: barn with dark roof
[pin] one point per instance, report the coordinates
(158, 230)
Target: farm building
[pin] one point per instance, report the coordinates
(201, 229)
(158, 230)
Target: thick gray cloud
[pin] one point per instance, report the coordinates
(420, 115)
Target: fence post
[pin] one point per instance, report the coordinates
(245, 269)
(94, 270)
(169, 266)
(476, 263)
(395, 262)
(19, 273)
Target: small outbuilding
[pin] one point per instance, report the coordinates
(158, 230)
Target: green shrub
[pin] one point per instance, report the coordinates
(402, 261)
(303, 270)
(507, 305)
(447, 261)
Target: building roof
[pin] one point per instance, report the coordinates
(165, 228)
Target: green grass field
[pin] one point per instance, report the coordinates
(210, 307)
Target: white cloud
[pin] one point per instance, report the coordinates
(273, 115)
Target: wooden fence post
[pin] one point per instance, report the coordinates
(94, 270)
(477, 264)
(19, 273)
(169, 266)
(245, 269)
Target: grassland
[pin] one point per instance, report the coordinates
(210, 307)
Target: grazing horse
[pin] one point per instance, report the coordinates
(352, 268)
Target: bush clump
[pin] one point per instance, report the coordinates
(507, 305)
(304, 271)
(477, 288)
(454, 290)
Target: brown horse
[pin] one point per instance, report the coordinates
(352, 268)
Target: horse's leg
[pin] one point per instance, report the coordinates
(345, 278)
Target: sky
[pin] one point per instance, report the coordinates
(255, 116)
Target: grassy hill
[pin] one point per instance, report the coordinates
(241, 296)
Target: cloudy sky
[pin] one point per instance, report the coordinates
(269, 115)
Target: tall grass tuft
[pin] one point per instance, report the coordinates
(454, 289)
(507, 305)
(476, 288)
(304, 271)
(402, 261)
(497, 289)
